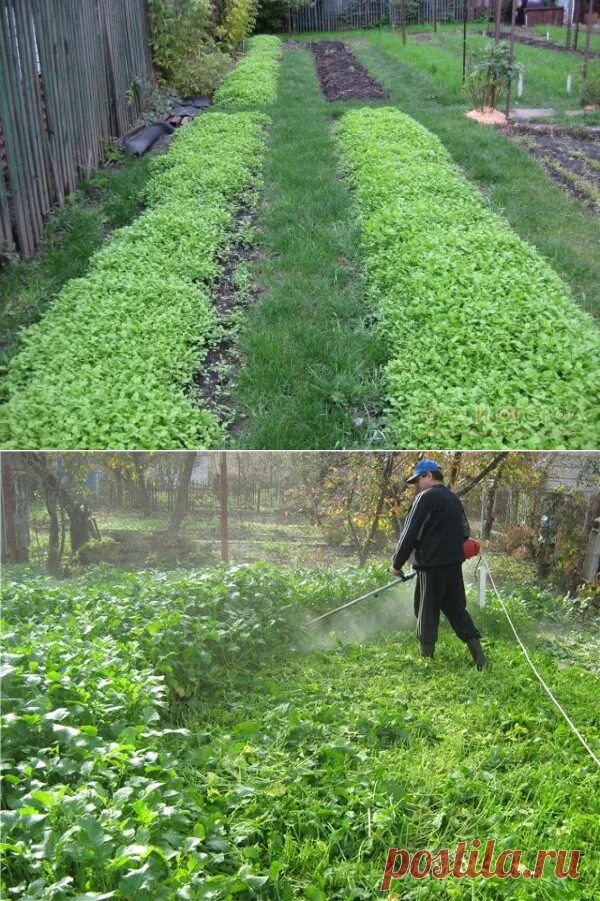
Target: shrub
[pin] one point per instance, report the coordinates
(272, 16)
(491, 73)
(519, 538)
(590, 91)
(238, 21)
(253, 82)
(485, 346)
(99, 550)
(108, 365)
(183, 47)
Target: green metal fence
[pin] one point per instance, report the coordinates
(335, 15)
(67, 69)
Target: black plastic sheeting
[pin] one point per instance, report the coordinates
(185, 111)
(199, 102)
(144, 139)
(139, 143)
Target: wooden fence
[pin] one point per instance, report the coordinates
(67, 70)
(338, 15)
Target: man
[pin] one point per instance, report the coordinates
(435, 529)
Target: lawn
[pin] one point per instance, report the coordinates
(558, 34)
(185, 735)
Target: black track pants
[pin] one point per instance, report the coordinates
(441, 589)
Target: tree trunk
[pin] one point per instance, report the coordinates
(180, 508)
(53, 560)
(141, 487)
(455, 468)
(488, 510)
(386, 476)
(15, 511)
(118, 489)
(80, 526)
(490, 504)
(498, 18)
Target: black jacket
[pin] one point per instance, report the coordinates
(435, 528)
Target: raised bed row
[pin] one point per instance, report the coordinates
(253, 82)
(110, 363)
(486, 347)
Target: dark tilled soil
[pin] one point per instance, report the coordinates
(215, 381)
(572, 163)
(542, 42)
(341, 76)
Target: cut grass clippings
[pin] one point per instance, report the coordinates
(309, 357)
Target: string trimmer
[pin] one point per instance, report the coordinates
(370, 594)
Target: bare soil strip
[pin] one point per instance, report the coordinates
(541, 42)
(571, 162)
(215, 380)
(341, 76)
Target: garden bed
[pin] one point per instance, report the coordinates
(541, 41)
(570, 161)
(485, 345)
(341, 76)
(109, 364)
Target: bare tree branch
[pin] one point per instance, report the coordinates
(481, 475)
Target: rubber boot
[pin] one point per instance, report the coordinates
(477, 654)
(427, 650)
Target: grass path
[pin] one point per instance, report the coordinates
(309, 359)
(516, 186)
(320, 765)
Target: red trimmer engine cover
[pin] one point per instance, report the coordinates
(471, 547)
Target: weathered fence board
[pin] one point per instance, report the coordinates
(68, 69)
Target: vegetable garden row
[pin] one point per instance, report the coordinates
(485, 346)
(504, 357)
(107, 365)
(166, 736)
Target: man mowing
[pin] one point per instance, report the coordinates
(436, 529)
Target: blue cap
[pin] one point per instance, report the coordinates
(421, 468)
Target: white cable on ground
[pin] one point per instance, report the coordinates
(533, 667)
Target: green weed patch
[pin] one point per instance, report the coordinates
(486, 347)
(179, 736)
(109, 364)
(92, 796)
(253, 82)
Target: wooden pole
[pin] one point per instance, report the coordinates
(497, 22)
(569, 12)
(511, 55)
(223, 500)
(588, 36)
(403, 22)
(577, 18)
(435, 14)
(464, 58)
